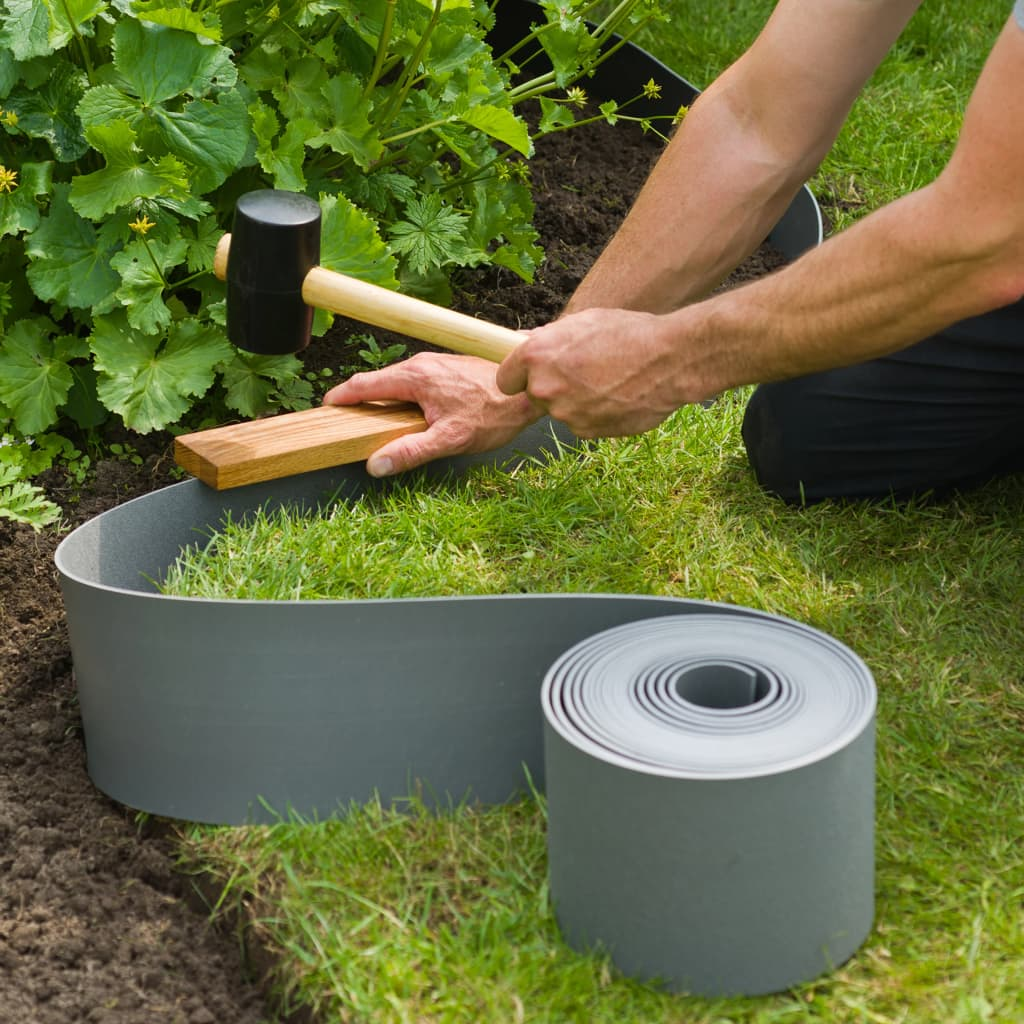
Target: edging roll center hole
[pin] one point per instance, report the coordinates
(725, 686)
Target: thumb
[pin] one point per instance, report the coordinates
(512, 375)
(405, 453)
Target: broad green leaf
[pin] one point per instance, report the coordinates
(18, 212)
(25, 29)
(432, 235)
(503, 211)
(175, 14)
(83, 404)
(150, 383)
(554, 115)
(351, 245)
(211, 136)
(610, 109)
(500, 124)
(68, 264)
(128, 174)
(264, 70)
(34, 381)
(299, 90)
(568, 49)
(381, 192)
(159, 63)
(201, 244)
(18, 209)
(281, 158)
(452, 48)
(142, 285)
(252, 380)
(9, 72)
(69, 18)
(351, 133)
(105, 103)
(48, 112)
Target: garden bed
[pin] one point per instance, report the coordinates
(95, 924)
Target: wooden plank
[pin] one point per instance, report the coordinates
(294, 442)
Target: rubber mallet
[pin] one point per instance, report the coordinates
(270, 262)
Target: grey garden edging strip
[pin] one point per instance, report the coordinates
(711, 800)
(233, 711)
(717, 881)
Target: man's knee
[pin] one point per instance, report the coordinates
(775, 432)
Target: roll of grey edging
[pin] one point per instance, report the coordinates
(710, 788)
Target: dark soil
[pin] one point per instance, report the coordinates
(95, 924)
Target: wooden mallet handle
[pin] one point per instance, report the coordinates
(348, 296)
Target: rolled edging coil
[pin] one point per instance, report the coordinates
(710, 788)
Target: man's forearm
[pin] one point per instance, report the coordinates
(896, 277)
(742, 152)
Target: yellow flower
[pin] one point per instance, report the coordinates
(9, 118)
(8, 179)
(652, 90)
(680, 114)
(142, 225)
(576, 96)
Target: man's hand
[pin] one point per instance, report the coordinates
(602, 372)
(463, 407)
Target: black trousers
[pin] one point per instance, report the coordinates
(946, 414)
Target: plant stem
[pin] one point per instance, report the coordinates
(409, 71)
(610, 24)
(419, 130)
(175, 285)
(152, 259)
(382, 47)
(82, 48)
(537, 32)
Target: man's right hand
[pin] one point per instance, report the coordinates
(464, 410)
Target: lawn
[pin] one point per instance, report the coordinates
(395, 914)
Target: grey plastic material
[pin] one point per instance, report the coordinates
(233, 711)
(735, 875)
(710, 788)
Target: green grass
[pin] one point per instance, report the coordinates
(400, 915)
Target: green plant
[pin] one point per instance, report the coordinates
(129, 127)
(372, 356)
(20, 499)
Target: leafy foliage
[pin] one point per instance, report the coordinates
(21, 500)
(128, 128)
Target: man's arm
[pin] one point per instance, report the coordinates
(743, 151)
(740, 155)
(953, 249)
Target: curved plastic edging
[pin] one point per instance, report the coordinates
(736, 881)
(236, 711)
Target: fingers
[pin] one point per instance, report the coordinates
(373, 386)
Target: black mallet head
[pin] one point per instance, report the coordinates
(274, 243)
